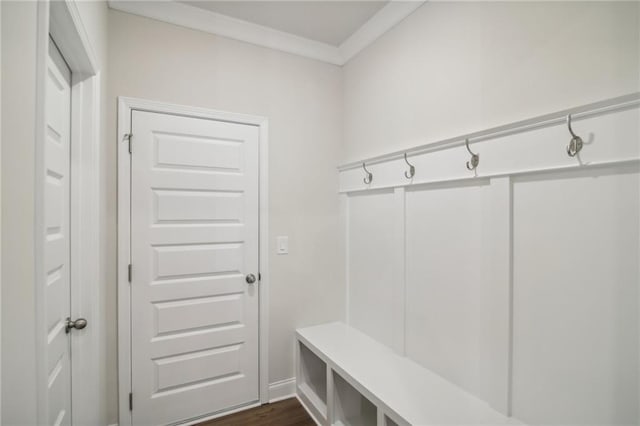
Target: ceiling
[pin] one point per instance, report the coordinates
(330, 22)
(332, 31)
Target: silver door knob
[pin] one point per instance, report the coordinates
(251, 278)
(78, 324)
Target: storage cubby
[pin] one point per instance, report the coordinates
(350, 407)
(312, 379)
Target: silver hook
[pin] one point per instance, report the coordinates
(475, 158)
(369, 176)
(575, 145)
(412, 170)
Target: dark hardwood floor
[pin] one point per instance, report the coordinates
(282, 413)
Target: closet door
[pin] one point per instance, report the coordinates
(194, 255)
(57, 252)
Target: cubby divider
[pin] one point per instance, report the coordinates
(350, 407)
(312, 381)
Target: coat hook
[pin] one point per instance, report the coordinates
(369, 176)
(576, 143)
(475, 158)
(412, 170)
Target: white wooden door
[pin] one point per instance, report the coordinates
(194, 239)
(57, 303)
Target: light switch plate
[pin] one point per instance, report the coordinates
(282, 244)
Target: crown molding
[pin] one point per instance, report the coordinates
(385, 19)
(215, 23)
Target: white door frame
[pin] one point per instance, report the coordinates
(125, 108)
(62, 20)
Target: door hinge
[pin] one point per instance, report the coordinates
(130, 271)
(130, 401)
(128, 137)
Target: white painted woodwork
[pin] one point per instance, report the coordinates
(194, 237)
(447, 318)
(66, 23)
(351, 408)
(70, 32)
(89, 346)
(368, 374)
(326, 22)
(521, 280)
(495, 302)
(457, 298)
(57, 260)
(575, 329)
(283, 389)
(610, 130)
(398, 297)
(371, 269)
(312, 385)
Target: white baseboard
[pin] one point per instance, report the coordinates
(282, 389)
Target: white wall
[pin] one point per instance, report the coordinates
(18, 119)
(302, 100)
(456, 67)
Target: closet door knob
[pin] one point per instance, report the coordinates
(251, 278)
(78, 324)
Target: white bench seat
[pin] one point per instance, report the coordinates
(402, 391)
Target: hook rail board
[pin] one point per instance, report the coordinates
(608, 134)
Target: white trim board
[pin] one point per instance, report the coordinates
(0, 222)
(388, 17)
(282, 389)
(631, 100)
(125, 108)
(609, 129)
(215, 23)
(72, 38)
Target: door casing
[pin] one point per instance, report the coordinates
(125, 107)
(62, 20)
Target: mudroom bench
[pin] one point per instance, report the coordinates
(345, 377)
